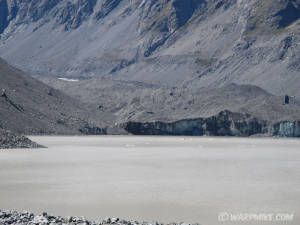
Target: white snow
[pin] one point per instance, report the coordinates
(69, 80)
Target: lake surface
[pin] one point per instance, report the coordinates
(154, 178)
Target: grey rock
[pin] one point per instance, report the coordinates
(115, 220)
(40, 220)
(13, 217)
(31, 107)
(198, 42)
(140, 102)
(11, 140)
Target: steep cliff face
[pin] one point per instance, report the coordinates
(106, 7)
(225, 123)
(271, 16)
(285, 129)
(73, 13)
(3, 16)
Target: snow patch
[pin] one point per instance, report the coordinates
(69, 80)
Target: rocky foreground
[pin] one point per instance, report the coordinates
(11, 140)
(13, 217)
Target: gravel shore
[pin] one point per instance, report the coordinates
(27, 218)
(11, 140)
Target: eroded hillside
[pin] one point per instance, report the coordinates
(198, 42)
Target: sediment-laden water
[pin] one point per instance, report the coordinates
(154, 178)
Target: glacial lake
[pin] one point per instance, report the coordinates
(190, 179)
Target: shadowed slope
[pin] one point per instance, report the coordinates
(31, 107)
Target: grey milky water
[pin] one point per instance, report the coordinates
(154, 178)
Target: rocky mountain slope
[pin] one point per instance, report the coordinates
(199, 42)
(28, 106)
(10, 140)
(137, 101)
(160, 60)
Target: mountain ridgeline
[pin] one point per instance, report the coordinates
(135, 62)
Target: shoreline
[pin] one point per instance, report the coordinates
(25, 217)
